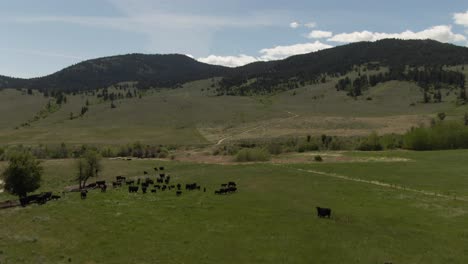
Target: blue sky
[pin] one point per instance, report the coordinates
(41, 37)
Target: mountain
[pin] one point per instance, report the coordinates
(159, 70)
(340, 60)
(172, 70)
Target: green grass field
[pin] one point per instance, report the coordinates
(271, 219)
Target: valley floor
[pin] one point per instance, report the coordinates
(396, 206)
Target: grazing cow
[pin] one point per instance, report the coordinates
(166, 181)
(143, 189)
(43, 197)
(99, 183)
(231, 184)
(162, 175)
(179, 186)
(83, 194)
(144, 184)
(217, 192)
(164, 187)
(159, 180)
(138, 182)
(155, 169)
(116, 184)
(323, 212)
(103, 188)
(161, 168)
(224, 185)
(120, 178)
(204, 189)
(145, 172)
(179, 193)
(130, 182)
(191, 186)
(133, 189)
(153, 190)
(157, 186)
(149, 181)
(55, 197)
(129, 159)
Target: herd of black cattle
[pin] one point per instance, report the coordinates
(162, 184)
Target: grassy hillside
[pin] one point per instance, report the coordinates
(192, 115)
(271, 219)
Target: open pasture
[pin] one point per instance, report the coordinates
(271, 219)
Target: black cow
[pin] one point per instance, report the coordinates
(323, 212)
(231, 184)
(143, 189)
(44, 197)
(162, 175)
(179, 193)
(103, 188)
(159, 180)
(149, 181)
(155, 169)
(145, 184)
(145, 172)
(55, 197)
(224, 185)
(100, 183)
(133, 189)
(120, 178)
(179, 186)
(204, 189)
(117, 184)
(138, 182)
(153, 190)
(164, 187)
(161, 168)
(157, 186)
(130, 182)
(191, 186)
(83, 194)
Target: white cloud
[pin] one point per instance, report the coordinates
(275, 53)
(294, 25)
(281, 52)
(441, 33)
(316, 34)
(461, 18)
(229, 61)
(310, 25)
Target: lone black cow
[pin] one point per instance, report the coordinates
(323, 212)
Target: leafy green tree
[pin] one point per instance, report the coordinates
(23, 174)
(89, 166)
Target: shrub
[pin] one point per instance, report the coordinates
(371, 143)
(275, 148)
(307, 147)
(254, 154)
(318, 158)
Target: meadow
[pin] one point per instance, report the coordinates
(271, 219)
(193, 115)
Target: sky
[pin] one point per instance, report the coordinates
(41, 37)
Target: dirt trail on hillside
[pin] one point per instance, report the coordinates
(258, 127)
(379, 183)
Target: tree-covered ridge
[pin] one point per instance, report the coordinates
(150, 70)
(314, 67)
(259, 77)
